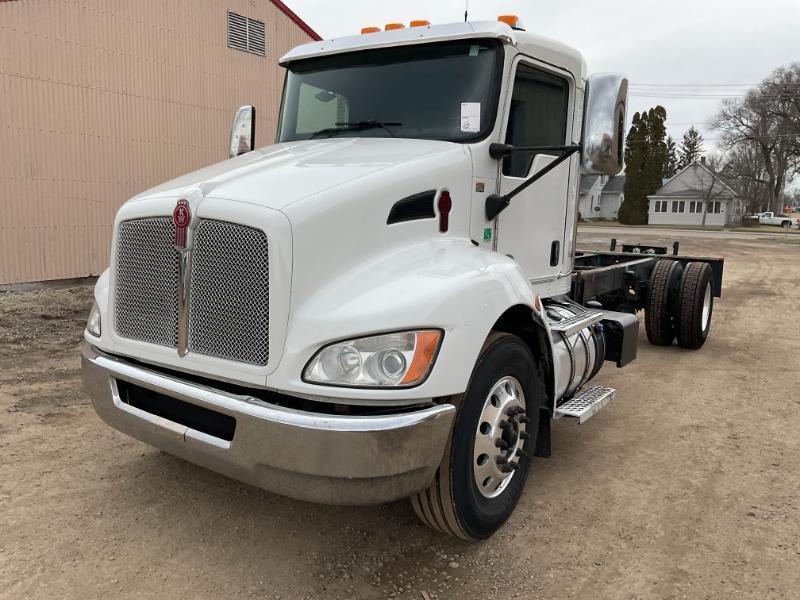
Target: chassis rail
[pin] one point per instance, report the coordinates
(626, 275)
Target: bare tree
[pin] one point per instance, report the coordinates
(745, 172)
(769, 119)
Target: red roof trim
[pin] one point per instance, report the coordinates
(298, 21)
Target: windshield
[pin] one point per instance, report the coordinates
(444, 91)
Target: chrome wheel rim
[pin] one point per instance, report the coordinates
(499, 437)
(706, 307)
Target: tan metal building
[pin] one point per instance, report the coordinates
(101, 99)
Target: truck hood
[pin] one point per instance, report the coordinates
(278, 175)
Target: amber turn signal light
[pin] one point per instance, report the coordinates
(426, 347)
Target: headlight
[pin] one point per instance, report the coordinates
(93, 322)
(392, 360)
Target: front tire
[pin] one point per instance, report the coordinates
(486, 461)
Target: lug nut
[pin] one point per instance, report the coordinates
(500, 444)
(521, 453)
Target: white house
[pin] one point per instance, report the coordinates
(601, 196)
(696, 195)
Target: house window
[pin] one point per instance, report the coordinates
(246, 34)
(661, 206)
(678, 206)
(714, 207)
(696, 206)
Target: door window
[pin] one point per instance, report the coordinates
(537, 117)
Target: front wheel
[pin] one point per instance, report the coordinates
(486, 462)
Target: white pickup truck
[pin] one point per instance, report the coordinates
(779, 219)
(388, 301)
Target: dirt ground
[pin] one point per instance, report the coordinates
(685, 486)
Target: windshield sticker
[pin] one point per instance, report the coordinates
(473, 50)
(471, 117)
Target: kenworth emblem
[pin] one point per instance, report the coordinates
(181, 216)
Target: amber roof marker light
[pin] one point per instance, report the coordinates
(512, 21)
(420, 23)
(393, 26)
(370, 30)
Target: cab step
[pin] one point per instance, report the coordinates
(586, 404)
(573, 325)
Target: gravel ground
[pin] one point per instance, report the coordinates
(686, 486)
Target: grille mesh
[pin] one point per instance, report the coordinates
(147, 281)
(229, 298)
(229, 294)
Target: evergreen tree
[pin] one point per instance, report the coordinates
(672, 158)
(691, 148)
(646, 158)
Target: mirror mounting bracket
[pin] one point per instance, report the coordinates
(495, 204)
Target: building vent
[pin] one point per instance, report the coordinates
(247, 35)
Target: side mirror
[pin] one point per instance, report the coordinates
(604, 124)
(243, 131)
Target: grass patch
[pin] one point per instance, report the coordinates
(766, 229)
(744, 229)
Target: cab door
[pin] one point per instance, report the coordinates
(532, 228)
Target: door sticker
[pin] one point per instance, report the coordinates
(471, 117)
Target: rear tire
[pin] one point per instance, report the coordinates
(473, 493)
(696, 305)
(786, 224)
(661, 302)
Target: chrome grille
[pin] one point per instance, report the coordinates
(229, 288)
(147, 281)
(229, 297)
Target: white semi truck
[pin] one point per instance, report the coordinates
(388, 302)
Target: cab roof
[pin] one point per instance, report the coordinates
(536, 46)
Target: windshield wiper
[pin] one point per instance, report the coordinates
(356, 126)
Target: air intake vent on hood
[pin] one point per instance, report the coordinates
(418, 206)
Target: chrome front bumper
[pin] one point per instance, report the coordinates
(332, 459)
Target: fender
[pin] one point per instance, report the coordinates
(448, 284)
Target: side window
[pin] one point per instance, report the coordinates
(319, 109)
(537, 117)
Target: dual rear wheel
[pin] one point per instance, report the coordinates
(679, 304)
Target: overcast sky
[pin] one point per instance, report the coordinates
(679, 47)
